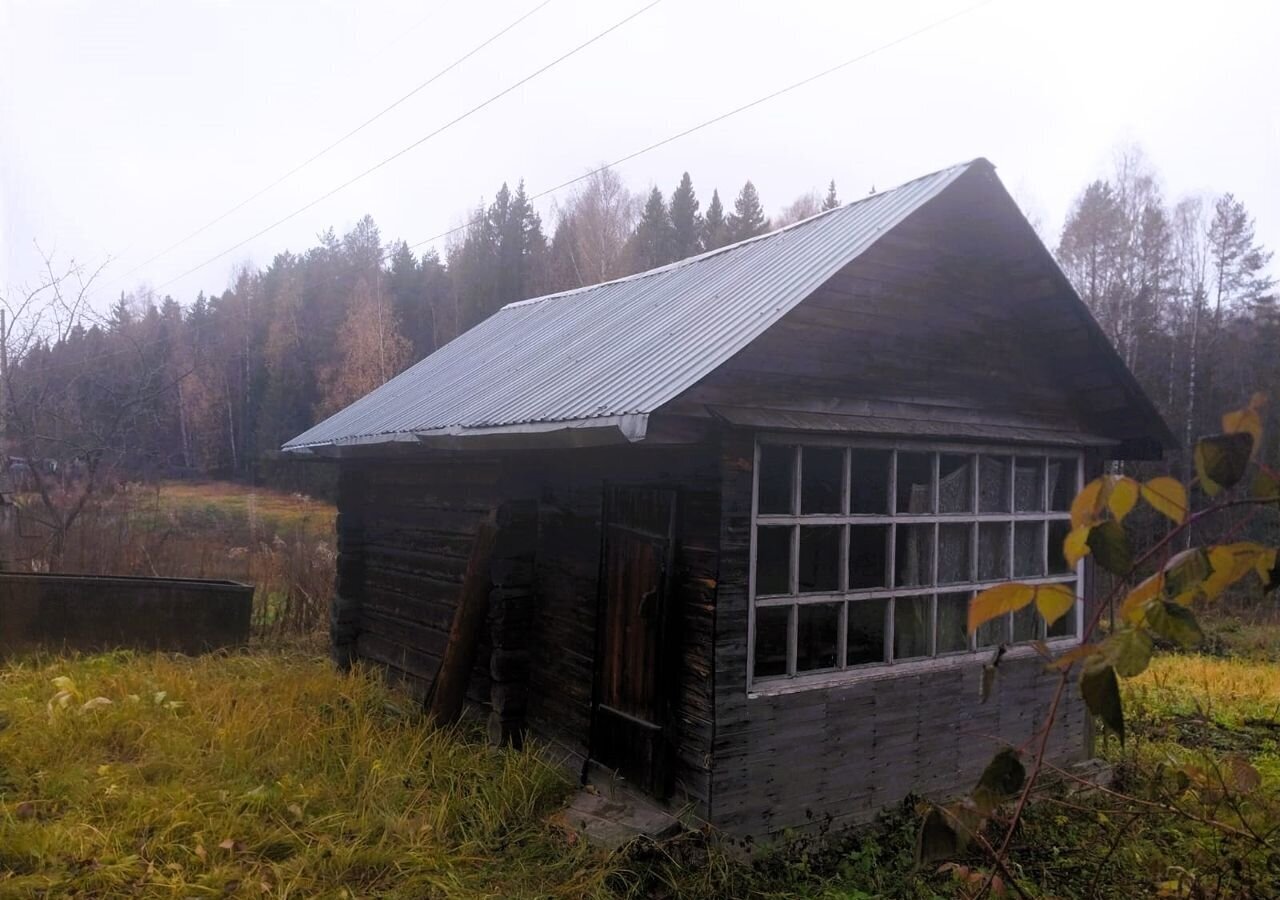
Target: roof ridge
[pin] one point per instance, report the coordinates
(690, 260)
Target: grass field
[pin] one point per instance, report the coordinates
(270, 775)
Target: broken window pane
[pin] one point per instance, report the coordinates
(955, 484)
(953, 619)
(821, 480)
(1028, 549)
(1028, 484)
(819, 558)
(868, 556)
(773, 559)
(865, 632)
(1058, 531)
(915, 483)
(912, 627)
(869, 481)
(993, 484)
(771, 640)
(954, 545)
(913, 556)
(993, 551)
(817, 628)
(1062, 484)
(777, 465)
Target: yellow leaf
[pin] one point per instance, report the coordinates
(1247, 421)
(1087, 505)
(1075, 546)
(996, 601)
(1054, 601)
(1121, 494)
(1231, 562)
(1167, 496)
(1074, 655)
(1133, 607)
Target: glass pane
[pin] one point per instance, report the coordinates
(912, 627)
(993, 550)
(869, 481)
(1028, 484)
(821, 479)
(1058, 531)
(913, 556)
(1026, 623)
(1066, 626)
(866, 631)
(818, 625)
(953, 619)
(954, 546)
(955, 484)
(993, 484)
(915, 483)
(777, 464)
(868, 556)
(773, 559)
(819, 558)
(1028, 549)
(993, 633)
(1062, 484)
(771, 640)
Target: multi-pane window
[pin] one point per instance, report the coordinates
(867, 554)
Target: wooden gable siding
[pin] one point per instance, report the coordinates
(949, 317)
(847, 751)
(405, 531)
(563, 641)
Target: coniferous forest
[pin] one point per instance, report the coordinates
(213, 384)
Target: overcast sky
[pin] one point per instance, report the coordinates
(126, 125)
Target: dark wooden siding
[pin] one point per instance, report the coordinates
(404, 566)
(570, 507)
(791, 760)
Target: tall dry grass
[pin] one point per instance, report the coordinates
(282, 544)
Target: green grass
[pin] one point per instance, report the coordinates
(268, 774)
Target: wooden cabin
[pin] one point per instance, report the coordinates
(743, 501)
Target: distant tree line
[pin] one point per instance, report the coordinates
(1182, 289)
(229, 377)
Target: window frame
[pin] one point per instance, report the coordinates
(842, 673)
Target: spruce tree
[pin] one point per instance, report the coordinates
(715, 230)
(686, 221)
(748, 219)
(832, 200)
(652, 243)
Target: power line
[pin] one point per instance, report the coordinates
(473, 110)
(354, 131)
(937, 23)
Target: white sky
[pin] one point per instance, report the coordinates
(126, 125)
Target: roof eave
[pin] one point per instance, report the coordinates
(573, 433)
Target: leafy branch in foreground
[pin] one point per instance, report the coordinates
(1156, 591)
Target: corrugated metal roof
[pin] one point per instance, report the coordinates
(612, 353)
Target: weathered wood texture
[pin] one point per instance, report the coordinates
(791, 760)
(404, 537)
(562, 665)
(449, 688)
(933, 323)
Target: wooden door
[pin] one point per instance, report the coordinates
(629, 725)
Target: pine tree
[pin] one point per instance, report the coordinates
(832, 201)
(686, 221)
(715, 229)
(748, 219)
(653, 241)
